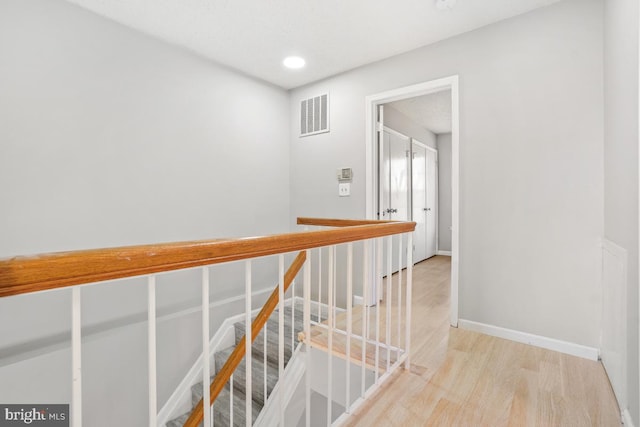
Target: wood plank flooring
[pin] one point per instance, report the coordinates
(463, 378)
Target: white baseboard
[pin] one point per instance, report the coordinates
(626, 419)
(358, 300)
(445, 253)
(531, 339)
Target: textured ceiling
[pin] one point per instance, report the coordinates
(432, 112)
(253, 36)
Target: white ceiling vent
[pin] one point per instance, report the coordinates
(314, 115)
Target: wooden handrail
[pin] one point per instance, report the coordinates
(21, 275)
(238, 353)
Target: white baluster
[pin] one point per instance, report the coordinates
(151, 350)
(388, 298)
(335, 281)
(319, 285)
(379, 249)
(264, 359)
(281, 334)
(206, 356)
(293, 315)
(399, 337)
(76, 357)
(307, 334)
(231, 387)
(365, 318)
(248, 400)
(330, 336)
(407, 343)
(349, 321)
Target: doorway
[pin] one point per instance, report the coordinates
(373, 186)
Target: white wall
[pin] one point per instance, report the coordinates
(108, 138)
(621, 161)
(531, 180)
(444, 191)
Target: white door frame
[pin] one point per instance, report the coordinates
(371, 105)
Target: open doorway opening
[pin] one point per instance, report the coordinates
(404, 167)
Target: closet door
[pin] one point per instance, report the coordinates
(419, 198)
(431, 205)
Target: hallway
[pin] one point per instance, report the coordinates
(463, 378)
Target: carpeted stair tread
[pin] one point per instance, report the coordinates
(257, 375)
(179, 422)
(196, 392)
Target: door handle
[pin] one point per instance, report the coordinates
(392, 210)
(426, 209)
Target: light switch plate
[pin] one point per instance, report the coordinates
(344, 189)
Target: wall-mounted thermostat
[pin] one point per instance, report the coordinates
(345, 174)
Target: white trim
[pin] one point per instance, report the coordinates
(626, 418)
(443, 253)
(620, 378)
(371, 104)
(531, 339)
(394, 132)
(357, 300)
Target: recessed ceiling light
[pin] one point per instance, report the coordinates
(294, 62)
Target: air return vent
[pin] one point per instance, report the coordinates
(314, 115)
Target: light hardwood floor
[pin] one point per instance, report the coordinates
(463, 378)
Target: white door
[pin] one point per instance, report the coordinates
(424, 190)
(431, 206)
(394, 177)
(419, 201)
(394, 199)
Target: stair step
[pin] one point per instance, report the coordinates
(221, 413)
(272, 334)
(179, 422)
(196, 392)
(257, 376)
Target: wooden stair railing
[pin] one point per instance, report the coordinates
(25, 274)
(238, 353)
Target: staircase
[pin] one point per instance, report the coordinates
(293, 318)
